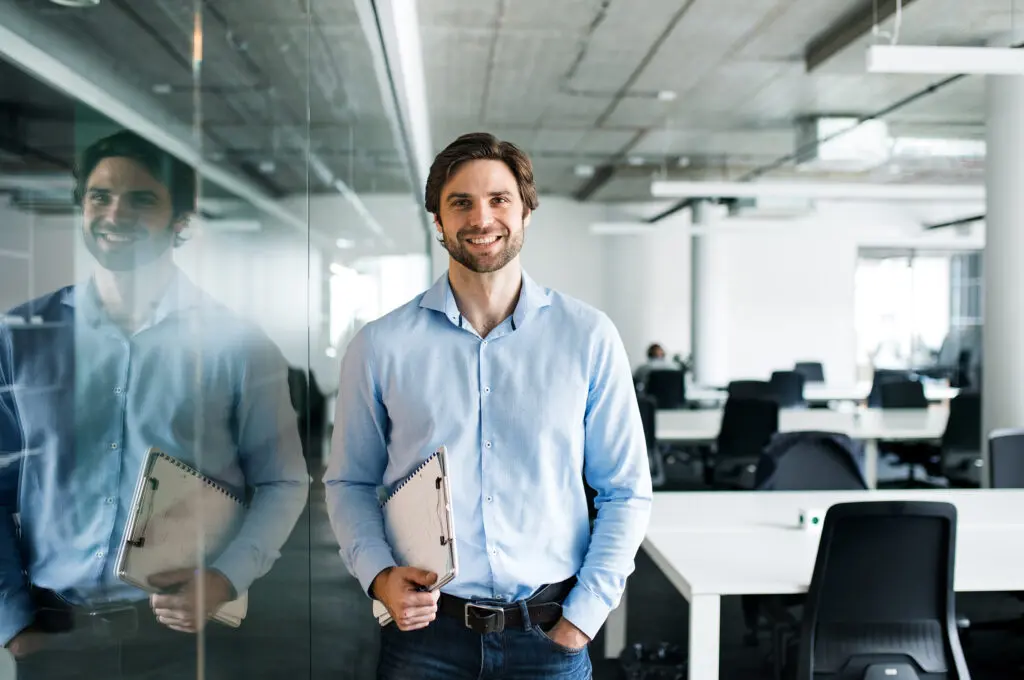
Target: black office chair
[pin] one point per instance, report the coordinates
(667, 386)
(960, 448)
(812, 371)
(788, 388)
(898, 392)
(883, 376)
(810, 461)
(750, 389)
(880, 602)
(1006, 458)
(902, 393)
(747, 427)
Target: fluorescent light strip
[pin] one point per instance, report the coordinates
(818, 190)
(931, 59)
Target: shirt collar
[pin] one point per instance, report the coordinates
(440, 298)
(181, 294)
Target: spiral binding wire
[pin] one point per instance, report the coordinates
(408, 479)
(196, 473)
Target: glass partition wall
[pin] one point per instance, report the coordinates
(197, 211)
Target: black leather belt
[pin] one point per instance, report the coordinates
(487, 616)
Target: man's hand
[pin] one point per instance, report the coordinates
(28, 641)
(567, 635)
(181, 609)
(400, 589)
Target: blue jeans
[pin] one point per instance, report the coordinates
(447, 650)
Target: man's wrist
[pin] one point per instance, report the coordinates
(378, 580)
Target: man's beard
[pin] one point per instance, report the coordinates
(144, 248)
(483, 264)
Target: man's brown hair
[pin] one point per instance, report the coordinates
(480, 146)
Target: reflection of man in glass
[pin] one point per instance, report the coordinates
(91, 377)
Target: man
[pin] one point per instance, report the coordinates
(91, 377)
(656, 361)
(530, 391)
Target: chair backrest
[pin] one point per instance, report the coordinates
(882, 592)
(1006, 459)
(747, 427)
(883, 376)
(902, 394)
(788, 388)
(963, 426)
(667, 386)
(810, 461)
(750, 389)
(812, 371)
(648, 412)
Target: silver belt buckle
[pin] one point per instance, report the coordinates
(494, 622)
(114, 620)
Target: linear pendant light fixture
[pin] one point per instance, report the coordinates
(932, 59)
(819, 190)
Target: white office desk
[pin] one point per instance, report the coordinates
(867, 425)
(710, 545)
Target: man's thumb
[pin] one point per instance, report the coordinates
(422, 577)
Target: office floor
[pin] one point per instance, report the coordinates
(284, 637)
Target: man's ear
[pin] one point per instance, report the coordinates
(526, 218)
(437, 226)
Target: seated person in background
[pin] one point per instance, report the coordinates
(91, 377)
(656, 360)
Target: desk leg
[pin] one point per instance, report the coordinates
(615, 629)
(705, 629)
(871, 463)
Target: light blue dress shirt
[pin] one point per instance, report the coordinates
(81, 402)
(545, 398)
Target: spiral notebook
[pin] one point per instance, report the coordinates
(176, 510)
(419, 526)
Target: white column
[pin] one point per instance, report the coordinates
(1003, 262)
(709, 306)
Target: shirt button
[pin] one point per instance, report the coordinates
(113, 445)
(489, 499)
(494, 551)
(487, 444)
(484, 343)
(487, 390)
(118, 390)
(99, 555)
(110, 500)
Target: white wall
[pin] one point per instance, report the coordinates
(791, 284)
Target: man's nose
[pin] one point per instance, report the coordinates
(120, 210)
(483, 215)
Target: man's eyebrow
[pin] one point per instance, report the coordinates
(494, 194)
(454, 196)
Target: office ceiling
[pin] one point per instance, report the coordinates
(576, 82)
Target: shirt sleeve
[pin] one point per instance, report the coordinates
(358, 460)
(16, 609)
(271, 459)
(617, 468)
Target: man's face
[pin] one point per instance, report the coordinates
(127, 215)
(481, 221)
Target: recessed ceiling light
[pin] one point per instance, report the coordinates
(76, 3)
(584, 170)
(267, 167)
(667, 95)
(635, 160)
(345, 243)
(683, 162)
(162, 88)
